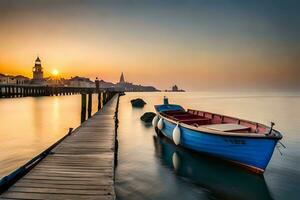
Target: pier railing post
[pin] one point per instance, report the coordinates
(90, 101)
(83, 107)
(116, 131)
(103, 98)
(99, 101)
(70, 131)
(9, 91)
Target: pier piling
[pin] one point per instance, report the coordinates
(99, 101)
(90, 102)
(83, 107)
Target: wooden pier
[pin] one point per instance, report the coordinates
(12, 91)
(81, 166)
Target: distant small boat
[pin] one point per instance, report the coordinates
(246, 143)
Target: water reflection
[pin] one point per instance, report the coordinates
(222, 180)
(37, 115)
(30, 125)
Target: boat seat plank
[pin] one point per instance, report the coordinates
(227, 127)
(195, 119)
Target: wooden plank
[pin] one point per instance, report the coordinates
(68, 182)
(80, 167)
(77, 191)
(64, 186)
(27, 195)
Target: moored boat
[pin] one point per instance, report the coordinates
(249, 144)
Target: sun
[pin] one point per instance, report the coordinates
(55, 72)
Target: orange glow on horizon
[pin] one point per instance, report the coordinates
(220, 50)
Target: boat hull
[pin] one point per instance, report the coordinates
(251, 152)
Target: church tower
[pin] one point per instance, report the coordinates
(38, 70)
(122, 79)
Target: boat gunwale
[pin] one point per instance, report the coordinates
(277, 135)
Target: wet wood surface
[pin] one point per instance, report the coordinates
(80, 167)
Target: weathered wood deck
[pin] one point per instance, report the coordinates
(80, 167)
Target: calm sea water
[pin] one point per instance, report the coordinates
(30, 125)
(154, 168)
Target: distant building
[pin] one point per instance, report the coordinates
(81, 82)
(3, 79)
(122, 79)
(122, 85)
(13, 80)
(50, 81)
(38, 74)
(21, 80)
(104, 84)
(174, 88)
(10, 79)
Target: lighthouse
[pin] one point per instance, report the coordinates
(38, 74)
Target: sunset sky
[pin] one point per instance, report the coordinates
(197, 44)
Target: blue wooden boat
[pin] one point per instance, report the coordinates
(244, 142)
